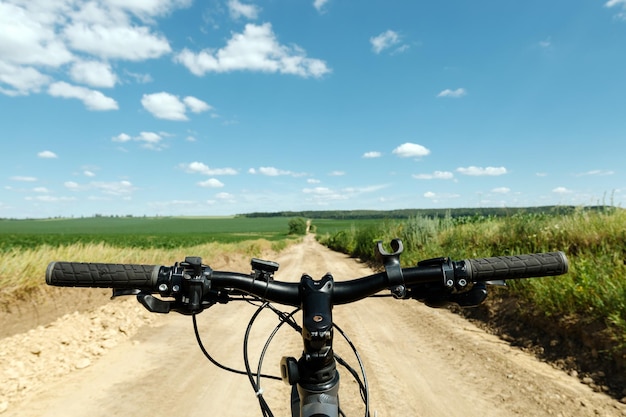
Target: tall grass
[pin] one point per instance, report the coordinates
(594, 241)
(22, 270)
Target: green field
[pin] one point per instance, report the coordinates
(155, 232)
(139, 232)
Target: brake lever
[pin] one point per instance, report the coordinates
(121, 293)
(153, 304)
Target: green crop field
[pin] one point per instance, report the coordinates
(156, 232)
(139, 232)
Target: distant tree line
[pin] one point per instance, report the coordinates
(434, 213)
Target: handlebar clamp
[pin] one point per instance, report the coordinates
(450, 279)
(391, 262)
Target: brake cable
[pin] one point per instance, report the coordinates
(283, 318)
(213, 360)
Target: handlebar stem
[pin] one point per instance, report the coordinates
(318, 379)
(317, 321)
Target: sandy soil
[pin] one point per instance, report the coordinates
(118, 360)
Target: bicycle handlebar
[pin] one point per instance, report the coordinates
(190, 287)
(164, 280)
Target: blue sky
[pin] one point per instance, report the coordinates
(181, 107)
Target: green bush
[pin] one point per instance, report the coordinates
(297, 226)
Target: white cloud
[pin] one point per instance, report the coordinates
(42, 190)
(149, 8)
(362, 190)
(93, 73)
(123, 188)
(596, 172)
(384, 41)
(501, 190)
(164, 106)
(201, 168)
(71, 185)
(459, 92)
(132, 43)
(256, 49)
(39, 38)
(319, 4)
(322, 195)
(337, 173)
(546, 43)
(93, 100)
(122, 137)
(88, 173)
(196, 105)
(47, 155)
(437, 175)
(480, 171)
(168, 106)
(149, 137)
(115, 188)
(323, 191)
(437, 197)
(619, 3)
(372, 154)
(274, 172)
(139, 77)
(27, 38)
(226, 197)
(148, 140)
(23, 178)
(211, 183)
(21, 79)
(561, 190)
(238, 9)
(49, 198)
(411, 150)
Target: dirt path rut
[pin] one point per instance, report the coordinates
(419, 362)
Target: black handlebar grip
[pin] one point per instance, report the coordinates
(101, 275)
(520, 266)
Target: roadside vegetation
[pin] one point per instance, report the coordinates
(22, 270)
(27, 246)
(594, 241)
(588, 304)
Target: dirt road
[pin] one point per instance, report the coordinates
(419, 362)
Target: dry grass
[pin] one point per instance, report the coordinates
(22, 272)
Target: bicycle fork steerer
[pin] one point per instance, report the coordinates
(315, 373)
